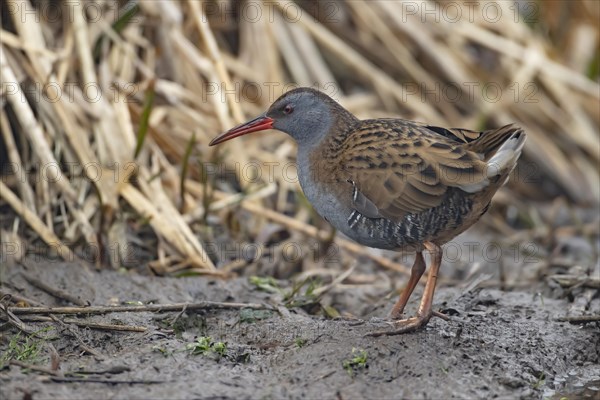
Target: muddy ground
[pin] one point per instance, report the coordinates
(497, 344)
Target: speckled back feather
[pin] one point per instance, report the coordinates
(396, 167)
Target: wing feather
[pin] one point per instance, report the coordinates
(410, 170)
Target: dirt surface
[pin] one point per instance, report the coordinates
(496, 344)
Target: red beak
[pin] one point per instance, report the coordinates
(259, 123)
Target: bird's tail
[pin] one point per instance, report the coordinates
(500, 148)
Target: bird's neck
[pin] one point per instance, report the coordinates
(316, 159)
(333, 131)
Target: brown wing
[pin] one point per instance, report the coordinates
(485, 143)
(397, 167)
(454, 134)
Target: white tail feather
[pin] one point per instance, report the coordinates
(507, 155)
(503, 161)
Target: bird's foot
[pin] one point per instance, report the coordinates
(409, 324)
(379, 320)
(403, 326)
(382, 322)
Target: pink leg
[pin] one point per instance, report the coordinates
(424, 313)
(416, 273)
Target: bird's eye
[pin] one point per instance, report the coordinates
(288, 109)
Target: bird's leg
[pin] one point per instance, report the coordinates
(424, 313)
(427, 299)
(416, 273)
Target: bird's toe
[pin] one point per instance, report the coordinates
(404, 325)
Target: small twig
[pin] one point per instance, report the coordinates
(58, 293)
(84, 324)
(108, 327)
(102, 380)
(18, 297)
(54, 357)
(326, 375)
(566, 280)
(35, 368)
(323, 289)
(117, 369)
(90, 350)
(581, 302)
(17, 323)
(73, 332)
(35, 318)
(441, 315)
(179, 314)
(581, 319)
(150, 307)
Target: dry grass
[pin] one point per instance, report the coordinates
(82, 91)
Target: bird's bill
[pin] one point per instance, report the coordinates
(259, 123)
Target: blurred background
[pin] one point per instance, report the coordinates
(108, 108)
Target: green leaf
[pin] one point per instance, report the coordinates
(266, 284)
(144, 122)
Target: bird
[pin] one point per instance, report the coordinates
(391, 183)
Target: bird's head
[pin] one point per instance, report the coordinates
(306, 114)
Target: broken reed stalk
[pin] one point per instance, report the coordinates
(203, 305)
(85, 324)
(36, 224)
(581, 319)
(58, 293)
